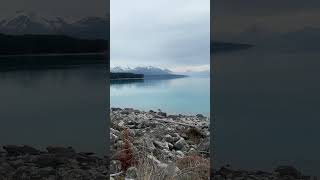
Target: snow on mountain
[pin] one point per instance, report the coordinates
(31, 23)
(23, 22)
(147, 70)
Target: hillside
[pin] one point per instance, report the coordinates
(149, 72)
(48, 44)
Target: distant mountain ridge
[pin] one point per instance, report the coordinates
(31, 23)
(147, 70)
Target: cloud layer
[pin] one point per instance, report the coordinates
(264, 16)
(63, 8)
(163, 33)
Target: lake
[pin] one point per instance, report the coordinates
(189, 95)
(267, 109)
(64, 107)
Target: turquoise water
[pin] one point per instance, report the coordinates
(266, 108)
(60, 107)
(188, 95)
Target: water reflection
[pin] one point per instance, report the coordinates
(54, 107)
(181, 95)
(266, 110)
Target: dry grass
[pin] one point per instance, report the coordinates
(191, 167)
(194, 167)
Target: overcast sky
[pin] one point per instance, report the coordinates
(264, 16)
(73, 9)
(163, 33)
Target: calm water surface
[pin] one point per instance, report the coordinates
(267, 110)
(188, 95)
(54, 107)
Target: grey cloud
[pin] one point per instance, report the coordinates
(263, 7)
(161, 33)
(64, 8)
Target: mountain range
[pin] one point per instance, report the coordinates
(31, 23)
(23, 22)
(147, 70)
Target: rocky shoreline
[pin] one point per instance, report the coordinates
(28, 163)
(279, 173)
(173, 143)
(169, 144)
(143, 145)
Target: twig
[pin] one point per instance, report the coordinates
(116, 174)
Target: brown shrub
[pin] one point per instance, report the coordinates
(125, 156)
(194, 134)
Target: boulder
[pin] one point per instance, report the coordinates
(60, 150)
(181, 144)
(290, 171)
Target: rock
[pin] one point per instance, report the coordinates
(288, 171)
(5, 168)
(113, 138)
(204, 147)
(200, 116)
(161, 145)
(162, 166)
(173, 117)
(127, 111)
(162, 114)
(44, 172)
(169, 138)
(180, 154)
(56, 163)
(192, 151)
(172, 170)
(132, 132)
(60, 150)
(115, 132)
(115, 166)
(181, 144)
(13, 150)
(154, 159)
(17, 163)
(121, 125)
(147, 142)
(50, 161)
(132, 173)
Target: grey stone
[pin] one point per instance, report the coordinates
(181, 144)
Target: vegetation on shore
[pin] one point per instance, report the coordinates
(49, 44)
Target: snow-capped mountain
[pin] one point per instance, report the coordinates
(32, 23)
(148, 70)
